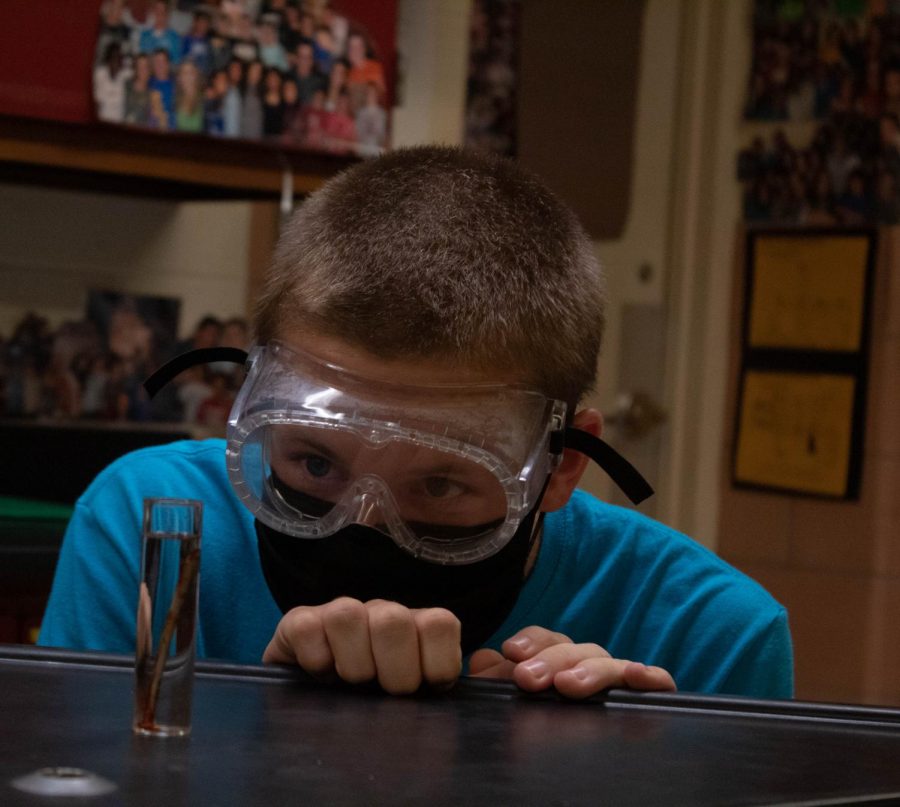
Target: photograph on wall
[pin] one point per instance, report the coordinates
(134, 327)
(93, 367)
(135, 335)
(824, 87)
(491, 85)
(299, 73)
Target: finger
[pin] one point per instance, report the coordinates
(484, 659)
(346, 624)
(530, 641)
(395, 646)
(440, 651)
(486, 663)
(538, 672)
(300, 639)
(594, 675)
(653, 679)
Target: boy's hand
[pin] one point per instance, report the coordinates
(377, 640)
(536, 658)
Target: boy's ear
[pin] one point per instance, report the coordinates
(568, 474)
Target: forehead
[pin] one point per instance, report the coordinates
(417, 372)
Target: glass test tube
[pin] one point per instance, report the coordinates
(167, 616)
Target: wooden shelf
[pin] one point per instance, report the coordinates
(108, 158)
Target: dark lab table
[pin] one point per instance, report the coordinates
(268, 736)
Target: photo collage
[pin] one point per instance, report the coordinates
(825, 81)
(296, 72)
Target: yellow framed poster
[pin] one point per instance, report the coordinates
(808, 293)
(795, 431)
(804, 361)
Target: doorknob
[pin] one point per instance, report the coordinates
(635, 414)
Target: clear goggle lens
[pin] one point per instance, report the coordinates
(442, 494)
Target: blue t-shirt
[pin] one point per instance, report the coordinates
(604, 574)
(197, 49)
(166, 88)
(167, 40)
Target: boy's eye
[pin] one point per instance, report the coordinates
(440, 487)
(317, 466)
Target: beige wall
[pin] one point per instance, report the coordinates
(432, 44)
(715, 59)
(56, 245)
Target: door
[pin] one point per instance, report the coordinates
(598, 93)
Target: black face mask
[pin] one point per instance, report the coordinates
(362, 562)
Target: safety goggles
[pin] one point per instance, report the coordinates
(449, 472)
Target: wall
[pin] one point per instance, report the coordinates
(705, 209)
(432, 47)
(55, 245)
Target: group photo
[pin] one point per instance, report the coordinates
(298, 72)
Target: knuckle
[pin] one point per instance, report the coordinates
(544, 636)
(298, 627)
(589, 649)
(343, 603)
(389, 617)
(438, 622)
(344, 611)
(301, 621)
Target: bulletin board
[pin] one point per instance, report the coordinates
(804, 362)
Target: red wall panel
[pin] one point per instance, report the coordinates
(46, 58)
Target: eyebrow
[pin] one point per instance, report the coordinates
(450, 467)
(432, 466)
(304, 443)
(428, 470)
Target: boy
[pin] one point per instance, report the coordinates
(429, 323)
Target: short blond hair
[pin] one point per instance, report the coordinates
(439, 252)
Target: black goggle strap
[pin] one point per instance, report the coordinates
(192, 358)
(620, 470)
